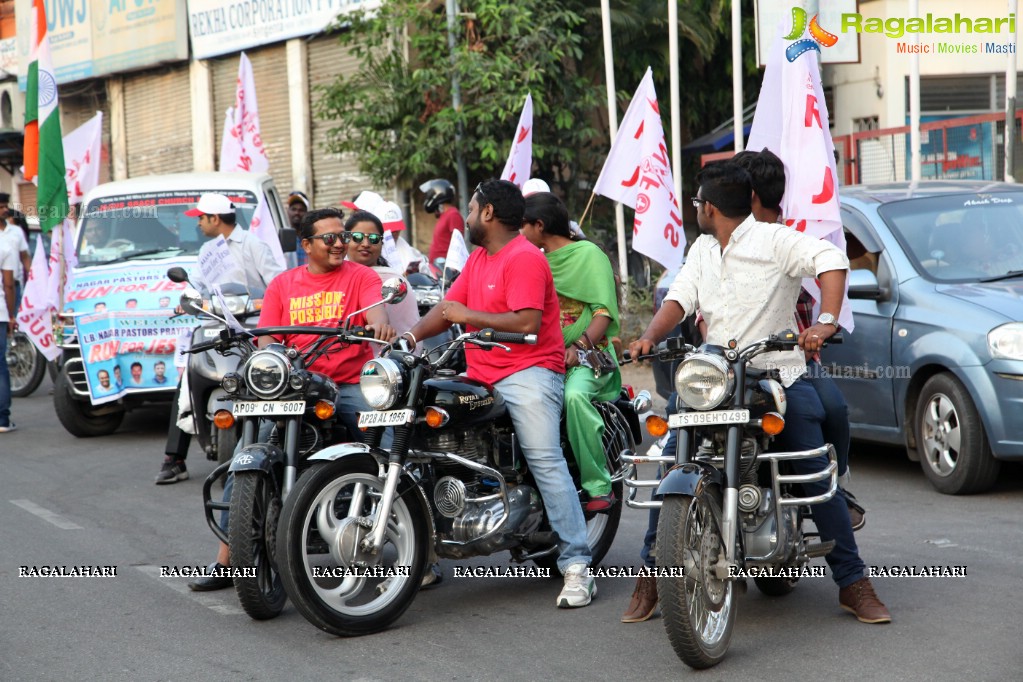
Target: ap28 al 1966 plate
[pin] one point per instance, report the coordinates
(385, 418)
(684, 419)
(268, 408)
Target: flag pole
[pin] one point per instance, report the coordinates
(737, 108)
(612, 117)
(676, 115)
(587, 209)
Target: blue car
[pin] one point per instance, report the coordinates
(936, 359)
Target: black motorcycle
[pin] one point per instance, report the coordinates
(362, 525)
(730, 508)
(274, 385)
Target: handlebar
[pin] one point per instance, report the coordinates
(492, 336)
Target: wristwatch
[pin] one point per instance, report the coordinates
(828, 318)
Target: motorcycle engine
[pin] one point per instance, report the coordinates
(762, 531)
(479, 518)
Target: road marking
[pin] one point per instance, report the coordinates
(46, 515)
(941, 542)
(209, 601)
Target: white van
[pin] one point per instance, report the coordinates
(119, 334)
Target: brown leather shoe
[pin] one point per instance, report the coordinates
(860, 600)
(856, 512)
(644, 601)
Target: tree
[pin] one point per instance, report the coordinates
(396, 113)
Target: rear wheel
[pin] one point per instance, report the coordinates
(252, 541)
(333, 581)
(80, 417)
(699, 607)
(26, 364)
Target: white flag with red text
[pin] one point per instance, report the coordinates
(262, 226)
(791, 120)
(637, 173)
(520, 158)
(62, 263)
(82, 158)
(242, 146)
(34, 315)
(458, 254)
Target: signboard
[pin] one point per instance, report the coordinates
(770, 14)
(964, 153)
(223, 26)
(9, 57)
(90, 38)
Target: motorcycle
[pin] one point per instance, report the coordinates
(729, 507)
(430, 292)
(271, 383)
(26, 363)
(360, 527)
(207, 370)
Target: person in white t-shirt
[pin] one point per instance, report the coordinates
(8, 260)
(12, 232)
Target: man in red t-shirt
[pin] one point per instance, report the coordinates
(507, 285)
(440, 200)
(321, 293)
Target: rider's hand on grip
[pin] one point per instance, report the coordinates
(641, 347)
(492, 336)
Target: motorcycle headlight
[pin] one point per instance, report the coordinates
(231, 383)
(266, 373)
(1006, 342)
(235, 304)
(704, 381)
(381, 383)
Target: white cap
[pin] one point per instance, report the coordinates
(366, 201)
(390, 215)
(211, 204)
(534, 185)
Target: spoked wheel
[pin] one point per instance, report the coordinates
(699, 608)
(331, 577)
(252, 541)
(26, 364)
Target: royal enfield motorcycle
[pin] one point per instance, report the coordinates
(272, 386)
(362, 525)
(730, 508)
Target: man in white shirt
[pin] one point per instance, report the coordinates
(745, 277)
(8, 260)
(15, 236)
(252, 264)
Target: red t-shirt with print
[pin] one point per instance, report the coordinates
(515, 278)
(299, 298)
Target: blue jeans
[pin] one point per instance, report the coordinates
(534, 397)
(804, 418)
(836, 412)
(5, 378)
(348, 404)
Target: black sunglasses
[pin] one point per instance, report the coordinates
(372, 237)
(330, 238)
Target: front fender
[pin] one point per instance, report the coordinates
(257, 457)
(690, 478)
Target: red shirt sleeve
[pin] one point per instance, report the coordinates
(272, 313)
(459, 290)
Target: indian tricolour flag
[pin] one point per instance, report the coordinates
(44, 146)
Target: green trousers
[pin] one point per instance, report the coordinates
(585, 426)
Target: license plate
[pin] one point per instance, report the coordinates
(388, 418)
(268, 408)
(684, 419)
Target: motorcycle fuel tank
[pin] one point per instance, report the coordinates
(465, 400)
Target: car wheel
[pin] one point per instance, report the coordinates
(954, 451)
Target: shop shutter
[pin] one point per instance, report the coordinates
(335, 177)
(270, 73)
(82, 105)
(158, 121)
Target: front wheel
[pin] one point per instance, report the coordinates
(27, 365)
(79, 417)
(332, 579)
(698, 608)
(227, 441)
(252, 541)
(954, 451)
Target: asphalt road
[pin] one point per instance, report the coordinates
(73, 502)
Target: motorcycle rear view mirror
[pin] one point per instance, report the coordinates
(177, 274)
(191, 301)
(394, 290)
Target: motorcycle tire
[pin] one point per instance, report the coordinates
(79, 417)
(319, 532)
(27, 366)
(227, 441)
(698, 608)
(252, 542)
(775, 587)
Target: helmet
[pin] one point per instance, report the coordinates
(437, 192)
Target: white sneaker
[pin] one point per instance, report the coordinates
(7, 429)
(579, 588)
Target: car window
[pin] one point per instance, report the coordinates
(154, 224)
(962, 237)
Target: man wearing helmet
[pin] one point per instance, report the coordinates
(440, 200)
